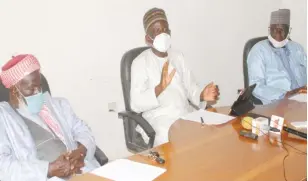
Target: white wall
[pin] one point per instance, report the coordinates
(80, 44)
(298, 20)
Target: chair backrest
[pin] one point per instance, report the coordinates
(4, 92)
(248, 46)
(126, 64)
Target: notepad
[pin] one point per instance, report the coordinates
(126, 170)
(299, 97)
(209, 118)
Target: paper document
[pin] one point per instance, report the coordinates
(299, 124)
(299, 97)
(210, 118)
(126, 170)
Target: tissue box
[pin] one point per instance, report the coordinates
(260, 126)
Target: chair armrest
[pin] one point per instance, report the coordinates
(100, 156)
(139, 120)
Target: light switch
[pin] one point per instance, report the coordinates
(112, 107)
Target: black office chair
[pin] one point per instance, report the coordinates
(248, 46)
(4, 96)
(133, 139)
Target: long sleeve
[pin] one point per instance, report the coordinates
(256, 73)
(143, 97)
(13, 169)
(81, 132)
(304, 57)
(303, 64)
(192, 88)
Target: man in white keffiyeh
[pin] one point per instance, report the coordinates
(41, 138)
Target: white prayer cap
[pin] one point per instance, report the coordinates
(282, 16)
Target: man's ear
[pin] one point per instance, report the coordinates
(148, 40)
(13, 96)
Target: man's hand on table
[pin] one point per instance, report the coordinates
(68, 164)
(303, 90)
(61, 167)
(299, 90)
(76, 158)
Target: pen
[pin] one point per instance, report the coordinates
(202, 122)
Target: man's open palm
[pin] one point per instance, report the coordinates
(165, 77)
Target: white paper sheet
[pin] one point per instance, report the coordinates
(299, 124)
(209, 118)
(126, 170)
(299, 97)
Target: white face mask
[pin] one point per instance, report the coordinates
(162, 42)
(278, 44)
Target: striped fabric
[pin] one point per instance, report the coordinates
(152, 16)
(17, 68)
(52, 124)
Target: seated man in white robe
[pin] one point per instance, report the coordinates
(41, 138)
(161, 83)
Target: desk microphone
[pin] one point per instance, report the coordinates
(295, 132)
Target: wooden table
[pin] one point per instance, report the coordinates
(219, 153)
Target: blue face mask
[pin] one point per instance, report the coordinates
(35, 102)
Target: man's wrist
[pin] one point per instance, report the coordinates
(293, 91)
(290, 93)
(82, 148)
(201, 97)
(158, 89)
(49, 173)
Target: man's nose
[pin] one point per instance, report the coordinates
(278, 36)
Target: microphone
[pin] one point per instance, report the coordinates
(295, 132)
